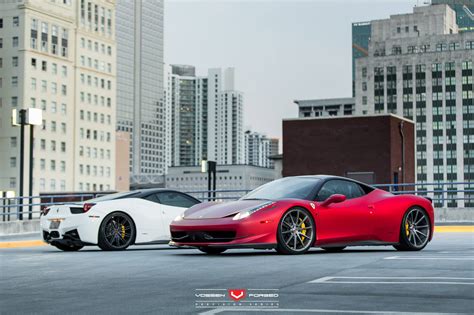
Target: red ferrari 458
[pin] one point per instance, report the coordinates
(293, 214)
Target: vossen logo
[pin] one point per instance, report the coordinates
(229, 298)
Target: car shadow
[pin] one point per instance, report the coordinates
(273, 252)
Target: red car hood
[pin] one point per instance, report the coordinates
(215, 210)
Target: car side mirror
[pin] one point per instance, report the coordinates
(336, 198)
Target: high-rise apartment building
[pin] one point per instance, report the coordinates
(361, 31)
(258, 149)
(140, 108)
(420, 66)
(59, 56)
(205, 116)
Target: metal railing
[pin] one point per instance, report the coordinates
(443, 195)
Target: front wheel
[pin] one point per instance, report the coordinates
(116, 232)
(414, 231)
(296, 232)
(68, 248)
(212, 250)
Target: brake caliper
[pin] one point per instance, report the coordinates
(123, 231)
(407, 228)
(303, 231)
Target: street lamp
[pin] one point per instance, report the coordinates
(32, 117)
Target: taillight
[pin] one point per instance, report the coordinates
(45, 210)
(88, 206)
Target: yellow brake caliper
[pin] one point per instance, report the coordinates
(407, 228)
(303, 231)
(123, 231)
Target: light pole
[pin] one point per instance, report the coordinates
(210, 168)
(31, 117)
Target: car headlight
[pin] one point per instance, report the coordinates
(179, 217)
(246, 213)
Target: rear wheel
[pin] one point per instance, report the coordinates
(296, 232)
(212, 250)
(68, 248)
(116, 232)
(414, 231)
(334, 249)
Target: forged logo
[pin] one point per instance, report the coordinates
(230, 298)
(312, 205)
(237, 294)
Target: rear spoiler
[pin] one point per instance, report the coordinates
(430, 199)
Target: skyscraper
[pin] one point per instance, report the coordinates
(361, 31)
(60, 57)
(420, 66)
(205, 116)
(258, 149)
(140, 108)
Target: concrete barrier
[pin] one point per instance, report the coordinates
(19, 227)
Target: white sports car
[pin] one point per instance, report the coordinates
(115, 221)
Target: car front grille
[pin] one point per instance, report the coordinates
(203, 236)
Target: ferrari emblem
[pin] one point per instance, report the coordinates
(237, 294)
(312, 205)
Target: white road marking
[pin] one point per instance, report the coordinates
(430, 258)
(296, 310)
(400, 280)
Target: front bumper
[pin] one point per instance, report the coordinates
(251, 232)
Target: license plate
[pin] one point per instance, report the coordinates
(54, 225)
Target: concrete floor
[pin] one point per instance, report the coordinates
(161, 280)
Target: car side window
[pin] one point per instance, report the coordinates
(174, 199)
(347, 188)
(152, 198)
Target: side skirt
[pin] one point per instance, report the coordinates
(358, 243)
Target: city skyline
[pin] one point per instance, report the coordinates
(267, 60)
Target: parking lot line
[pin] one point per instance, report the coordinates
(296, 310)
(399, 280)
(454, 228)
(17, 244)
(430, 258)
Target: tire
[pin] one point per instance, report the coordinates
(117, 231)
(334, 249)
(68, 248)
(415, 230)
(293, 230)
(212, 250)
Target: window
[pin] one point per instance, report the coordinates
(64, 71)
(13, 162)
(44, 65)
(44, 86)
(173, 199)
(16, 21)
(54, 68)
(33, 84)
(399, 30)
(13, 142)
(14, 62)
(14, 81)
(1, 42)
(14, 101)
(343, 187)
(15, 41)
(64, 90)
(33, 63)
(1, 23)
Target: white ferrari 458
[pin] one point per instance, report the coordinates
(115, 221)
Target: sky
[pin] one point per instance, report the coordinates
(281, 50)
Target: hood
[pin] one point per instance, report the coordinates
(215, 210)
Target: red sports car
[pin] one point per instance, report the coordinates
(293, 214)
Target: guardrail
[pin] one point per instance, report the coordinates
(444, 195)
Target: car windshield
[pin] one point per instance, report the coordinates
(290, 187)
(127, 194)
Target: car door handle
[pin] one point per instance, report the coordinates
(371, 206)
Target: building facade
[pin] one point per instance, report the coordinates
(420, 66)
(228, 177)
(367, 148)
(59, 56)
(205, 116)
(259, 148)
(140, 107)
(326, 107)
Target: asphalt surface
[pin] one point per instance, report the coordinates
(161, 280)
